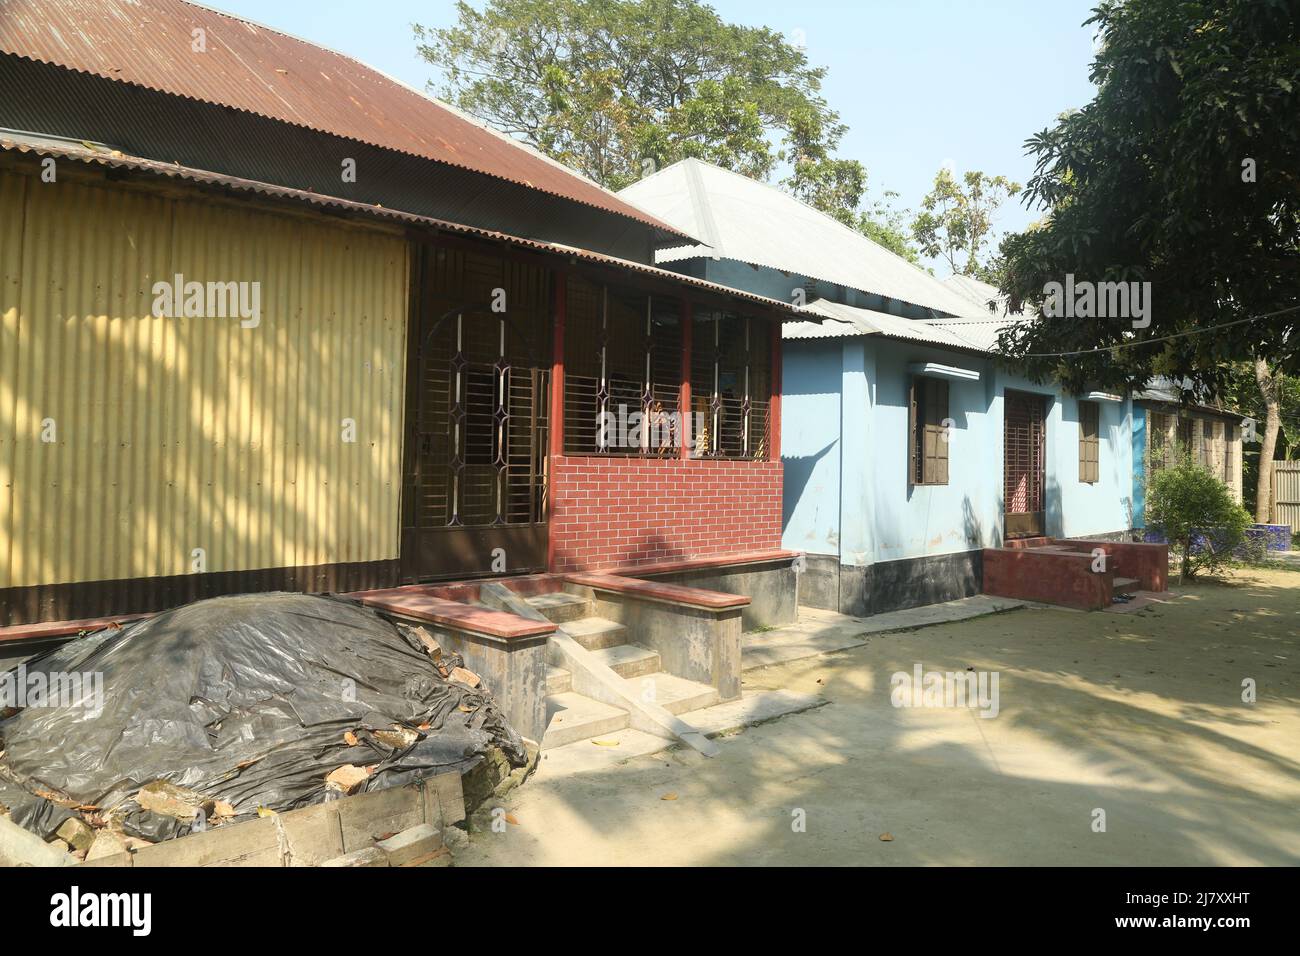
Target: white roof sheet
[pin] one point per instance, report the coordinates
(748, 221)
(972, 335)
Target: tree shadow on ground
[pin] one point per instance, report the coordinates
(1140, 716)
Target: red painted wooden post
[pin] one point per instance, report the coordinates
(774, 428)
(684, 399)
(555, 430)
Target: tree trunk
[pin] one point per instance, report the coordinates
(1272, 422)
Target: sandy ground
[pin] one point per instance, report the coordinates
(1139, 714)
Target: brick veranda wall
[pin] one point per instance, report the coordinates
(615, 512)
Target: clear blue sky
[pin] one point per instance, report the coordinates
(920, 84)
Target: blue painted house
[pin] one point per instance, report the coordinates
(1170, 419)
(907, 448)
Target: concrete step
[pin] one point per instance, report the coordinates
(677, 695)
(596, 633)
(629, 660)
(559, 607)
(1036, 541)
(558, 680)
(572, 717)
(1127, 585)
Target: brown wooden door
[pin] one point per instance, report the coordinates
(1024, 445)
(476, 482)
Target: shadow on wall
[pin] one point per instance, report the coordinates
(798, 471)
(653, 548)
(971, 523)
(242, 426)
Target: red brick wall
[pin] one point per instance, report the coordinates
(611, 512)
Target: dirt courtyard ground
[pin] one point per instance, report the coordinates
(1139, 715)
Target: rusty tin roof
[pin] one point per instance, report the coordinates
(12, 144)
(249, 67)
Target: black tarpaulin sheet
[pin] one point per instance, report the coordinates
(244, 699)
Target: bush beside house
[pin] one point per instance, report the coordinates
(1197, 514)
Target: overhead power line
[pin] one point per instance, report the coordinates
(1162, 338)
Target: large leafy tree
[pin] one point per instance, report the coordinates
(1184, 171)
(618, 88)
(613, 87)
(885, 224)
(956, 218)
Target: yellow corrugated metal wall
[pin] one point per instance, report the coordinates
(176, 434)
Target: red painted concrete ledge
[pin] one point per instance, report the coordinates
(703, 564)
(654, 590)
(417, 603)
(52, 629)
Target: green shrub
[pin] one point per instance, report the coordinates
(1199, 517)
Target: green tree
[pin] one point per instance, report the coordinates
(619, 88)
(1198, 515)
(886, 225)
(1183, 171)
(613, 88)
(956, 218)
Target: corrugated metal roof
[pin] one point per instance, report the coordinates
(246, 66)
(9, 142)
(1165, 390)
(979, 292)
(981, 334)
(748, 221)
(968, 335)
(984, 294)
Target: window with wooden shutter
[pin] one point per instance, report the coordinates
(928, 432)
(1229, 436)
(1089, 442)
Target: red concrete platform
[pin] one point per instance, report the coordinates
(1064, 572)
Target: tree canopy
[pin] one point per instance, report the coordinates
(619, 88)
(609, 86)
(1183, 171)
(956, 218)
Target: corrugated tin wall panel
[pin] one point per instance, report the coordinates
(173, 433)
(1286, 494)
(12, 191)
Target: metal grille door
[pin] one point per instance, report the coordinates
(477, 480)
(1024, 454)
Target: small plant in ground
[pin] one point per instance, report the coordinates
(1198, 515)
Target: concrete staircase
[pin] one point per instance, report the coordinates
(572, 716)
